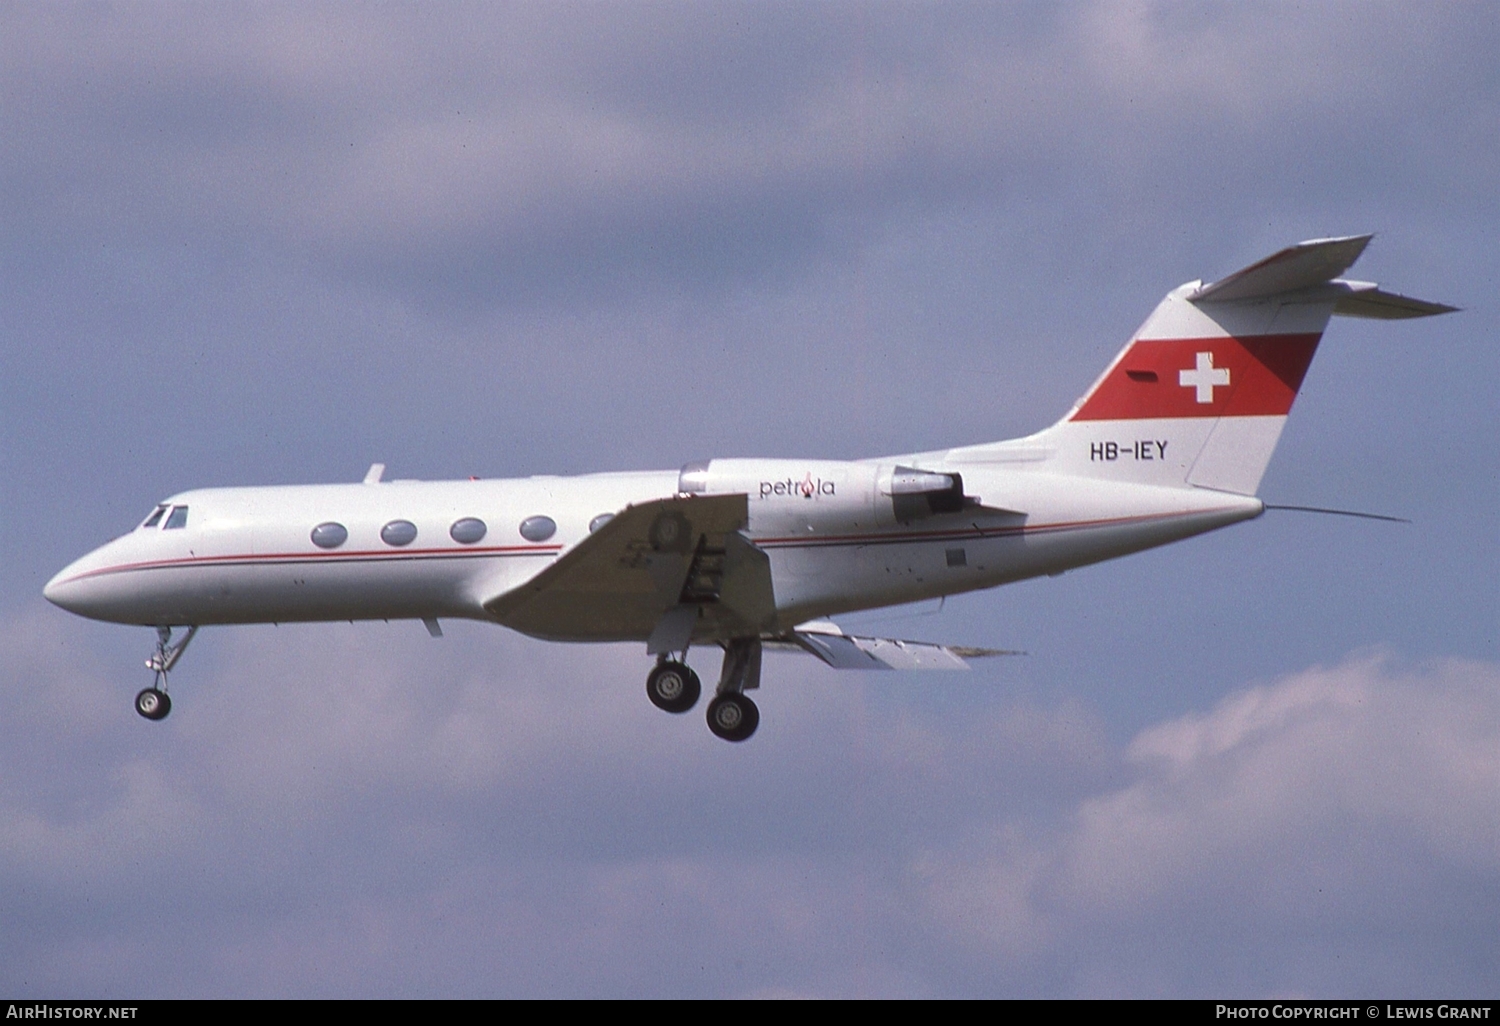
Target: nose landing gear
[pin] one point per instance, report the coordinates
(153, 702)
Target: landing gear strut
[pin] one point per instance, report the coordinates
(731, 715)
(673, 687)
(152, 702)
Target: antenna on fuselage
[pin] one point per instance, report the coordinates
(375, 473)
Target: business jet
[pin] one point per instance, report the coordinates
(1171, 441)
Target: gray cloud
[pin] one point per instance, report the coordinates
(323, 817)
(507, 154)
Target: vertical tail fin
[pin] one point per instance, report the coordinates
(1200, 394)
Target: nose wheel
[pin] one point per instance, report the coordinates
(153, 704)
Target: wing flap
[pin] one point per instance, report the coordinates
(838, 651)
(841, 651)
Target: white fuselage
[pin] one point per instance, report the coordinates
(1170, 441)
(835, 543)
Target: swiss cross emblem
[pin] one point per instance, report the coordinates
(1204, 377)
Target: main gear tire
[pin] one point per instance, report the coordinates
(733, 717)
(673, 687)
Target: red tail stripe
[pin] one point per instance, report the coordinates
(1184, 377)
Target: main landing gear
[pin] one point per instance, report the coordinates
(733, 717)
(153, 702)
(674, 687)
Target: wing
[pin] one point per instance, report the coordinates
(841, 651)
(666, 570)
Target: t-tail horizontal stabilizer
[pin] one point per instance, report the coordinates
(1311, 271)
(1199, 396)
(828, 642)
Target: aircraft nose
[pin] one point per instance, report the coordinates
(62, 590)
(76, 587)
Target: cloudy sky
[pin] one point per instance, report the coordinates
(271, 244)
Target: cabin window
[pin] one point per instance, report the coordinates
(156, 515)
(467, 531)
(329, 535)
(600, 521)
(399, 532)
(178, 518)
(538, 529)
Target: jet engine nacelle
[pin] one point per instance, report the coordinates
(826, 496)
(921, 493)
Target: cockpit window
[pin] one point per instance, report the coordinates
(155, 517)
(177, 519)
